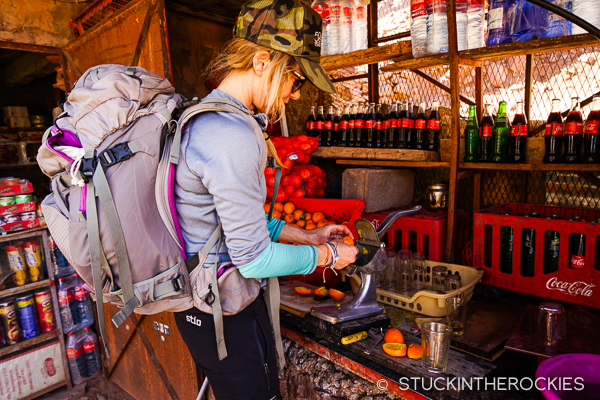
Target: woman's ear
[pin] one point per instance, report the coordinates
(261, 62)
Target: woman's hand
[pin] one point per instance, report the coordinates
(328, 233)
(346, 253)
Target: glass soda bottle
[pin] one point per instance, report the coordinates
(485, 135)
(319, 121)
(371, 126)
(433, 128)
(551, 248)
(379, 127)
(310, 124)
(590, 134)
(471, 136)
(392, 136)
(517, 140)
(336, 126)
(421, 128)
(506, 248)
(327, 139)
(351, 119)
(573, 133)
(404, 122)
(577, 246)
(342, 135)
(553, 137)
(360, 138)
(500, 135)
(528, 251)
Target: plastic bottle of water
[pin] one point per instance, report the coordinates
(334, 38)
(360, 38)
(531, 22)
(66, 303)
(91, 352)
(83, 304)
(461, 23)
(557, 25)
(475, 18)
(77, 364)
(346, 26)
(437, 27)
(319, 6)
(501, 17)
(588, 10)
(418, 28)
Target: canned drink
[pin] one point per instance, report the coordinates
(7, 201)
(34, 260)
(10, 322)
(45, 308)
(17, 264)
(23, 198)
(27, 313)
(28, 216)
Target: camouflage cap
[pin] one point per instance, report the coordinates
(288, 26)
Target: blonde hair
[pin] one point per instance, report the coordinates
(238, 55)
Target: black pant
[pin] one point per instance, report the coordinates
(249, 372)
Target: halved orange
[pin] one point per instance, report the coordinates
(415, 351)
(302, 290)
(395, 349)
(348, 240)
(336, 295)
(321, 291)
(393, 336)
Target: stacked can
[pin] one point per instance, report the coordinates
(45, 309)
(29, 324)
(16, 260)
(10, 321)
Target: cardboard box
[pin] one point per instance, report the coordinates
(380, 189)
(17, 122)
(14, 111)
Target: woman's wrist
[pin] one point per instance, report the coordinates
(322, 252)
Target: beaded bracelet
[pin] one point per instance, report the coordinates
(334, 259)
(326, 257)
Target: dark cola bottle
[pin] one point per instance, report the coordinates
(403, 131)
(328, 128)
(319, 122)
(590, 134)
(573, 133)
(342, 135)
(485, 134)
(433, 128)
(553, 138)
(336, 127)
(411, 133)
(421, 128)
(517, 138)
(392, 130)
(310, 124)
(379, 124)
(360, 132)
(371, 126)
(351, 119)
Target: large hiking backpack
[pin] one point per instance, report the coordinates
(111, 158)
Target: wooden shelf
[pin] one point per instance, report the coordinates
(407, 164)
(470, 57)
(372, 55)
(532, 167)
(23, 234)
(29, 342)
(366, 153)
(22, 289)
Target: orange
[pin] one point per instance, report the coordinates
(393, 336)
(302, 290)
(267, 207)
(321, 291)
(318, 216)
(289, 219)
(395, 349)
(289, 207)
(322, 222)
(279, 206)
(415, 351)
(348, 240)
(307, 216)
(301, 223)
(276, 214)
(310, 225)
(337, 295)
(298, 215)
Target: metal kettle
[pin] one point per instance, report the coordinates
(437, 197)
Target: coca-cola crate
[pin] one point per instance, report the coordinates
(562, 283)
(423, 232)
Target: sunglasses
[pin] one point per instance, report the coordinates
(299, 82)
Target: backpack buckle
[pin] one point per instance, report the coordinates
(88, 166)
(115, 154)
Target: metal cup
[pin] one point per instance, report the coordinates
(452, 282)
(436, 346)
(551, 327)
(438, 276)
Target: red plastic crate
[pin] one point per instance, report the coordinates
(567, 284)
(334, 210)
(424, 232)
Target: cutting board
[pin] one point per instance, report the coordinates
(303, 304)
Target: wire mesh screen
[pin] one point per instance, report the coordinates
(393, 17)
(95, 14)
(352, 91)
(571, 190)
(504, 80)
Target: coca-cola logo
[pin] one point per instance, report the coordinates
(74, 353)
(577, 288)
(49, 366)
(87, 347)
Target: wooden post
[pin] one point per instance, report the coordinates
(528, 81)
(479, 92)
(454, 128)
(373, 68)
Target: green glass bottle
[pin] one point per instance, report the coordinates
(500, 135)
(471, 136)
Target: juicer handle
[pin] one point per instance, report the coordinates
(390, 219)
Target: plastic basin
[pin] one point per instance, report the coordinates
(581, 365)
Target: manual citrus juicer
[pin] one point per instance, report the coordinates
(370, 260)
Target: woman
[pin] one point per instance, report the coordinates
(275, 50)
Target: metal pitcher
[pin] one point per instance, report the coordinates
(437, 197)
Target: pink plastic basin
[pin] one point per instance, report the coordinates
(585, 366)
